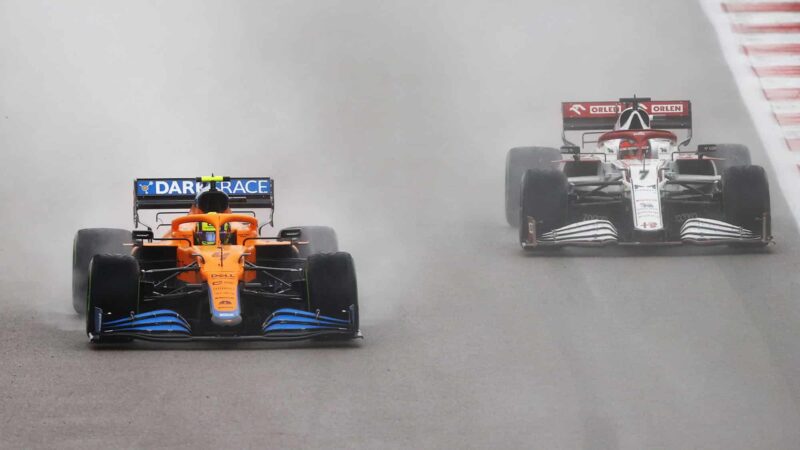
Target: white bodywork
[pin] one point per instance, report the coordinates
(644, 188)
(643, 183)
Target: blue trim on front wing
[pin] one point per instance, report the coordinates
(162, 320)
(302, 313)
(149, 321)
(311, 320)
(299, 326)
(289, 319)
(284, 323)
(169, 328)
(147, 315)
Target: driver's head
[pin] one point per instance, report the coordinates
(205, 234)
(629, 150)
(633, 119)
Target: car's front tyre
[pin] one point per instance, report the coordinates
(113, 293)
(544, 199)
(518, 161)
(87, 243)
(745, 198)
(332, 288)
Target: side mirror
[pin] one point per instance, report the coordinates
(705, 149)
(290, 233)
(571, 149)
(141, 235)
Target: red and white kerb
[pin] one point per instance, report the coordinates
(769, 35)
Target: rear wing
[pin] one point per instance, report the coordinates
(601, 116)
(179, 193)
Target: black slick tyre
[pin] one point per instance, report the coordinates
(745, 198)
(113, 293)
(87, 243)
(730, 155)
(544, 197)
(332, 288)
(519, 160)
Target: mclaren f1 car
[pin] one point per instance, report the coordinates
(625, 177)
(212, 274)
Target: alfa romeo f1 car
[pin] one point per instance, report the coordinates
(212, 275)
(627, 179)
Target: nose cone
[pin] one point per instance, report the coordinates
(226, 319)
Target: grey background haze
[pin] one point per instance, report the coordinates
(389, 121)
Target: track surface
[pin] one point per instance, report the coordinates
(389, 122)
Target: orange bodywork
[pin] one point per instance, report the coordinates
(221, 266)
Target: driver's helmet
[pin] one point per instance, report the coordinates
(630, 149)
(633, 119)
(206, 234)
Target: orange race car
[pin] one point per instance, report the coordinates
(212, 275)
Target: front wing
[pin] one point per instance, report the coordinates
(598, 233)
(286, 324)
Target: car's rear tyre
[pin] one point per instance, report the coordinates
(320, 239)
(731, 155)
(332, 288)
(544, 196)
(745, 198)
(518, 160)
(87, 243)
(114, 289)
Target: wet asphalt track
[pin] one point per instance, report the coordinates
(391, 123)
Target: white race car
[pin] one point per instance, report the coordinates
(631, 181)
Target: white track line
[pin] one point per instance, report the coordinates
(784, 162)
(766, 60)
(791, 107)
(770, 38)
(775, 82)
(764, 18)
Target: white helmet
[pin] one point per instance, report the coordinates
(633, 119)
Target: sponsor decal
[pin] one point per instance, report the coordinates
(144, 187)
(222, 275)
(223, 255)
(577, 108)
(183, 187)
(594, 217)
(603, 109)
(643, 215)
(224, 296)
(531, 230)
(674, 108)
